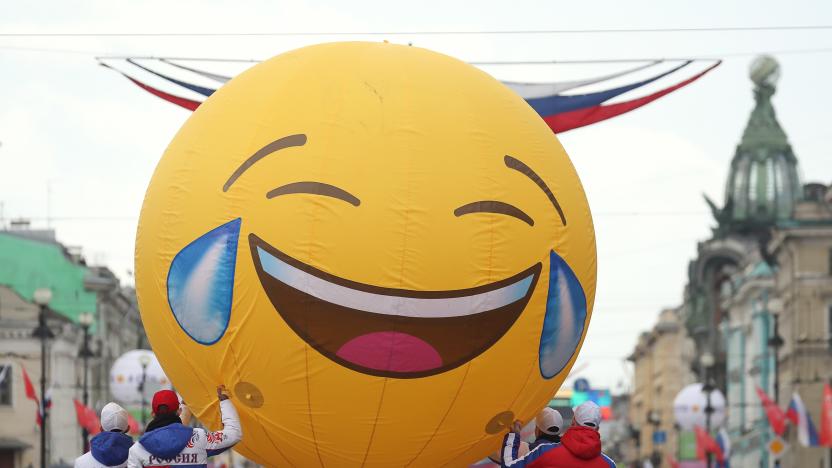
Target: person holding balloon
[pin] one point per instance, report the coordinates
(579, 447)
(548, 428)
(170, 443)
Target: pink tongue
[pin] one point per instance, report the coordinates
(390, 351)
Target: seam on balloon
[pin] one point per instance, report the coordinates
(309, 405)
(445, 416)
(266, 432)
(467, 367)
(306, 350)
(525, 384)
(402, 286)
(375, 423)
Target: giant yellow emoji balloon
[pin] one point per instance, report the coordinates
(383, 252)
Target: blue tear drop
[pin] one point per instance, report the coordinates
(565, 318)
(201, 283)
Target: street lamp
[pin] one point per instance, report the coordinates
(654, 418)
(707, 360)
(42, 296)
(635, 434)
(144, 360)
(85, 321)
(775, 342)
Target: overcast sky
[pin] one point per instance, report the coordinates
(80, 142)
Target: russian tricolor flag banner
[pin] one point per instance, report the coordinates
(802, 420)
(563, 105)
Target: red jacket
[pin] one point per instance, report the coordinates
(580, 447)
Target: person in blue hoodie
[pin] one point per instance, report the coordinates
(110, 447)
(167, 442)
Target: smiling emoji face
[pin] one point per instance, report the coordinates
(372, 237)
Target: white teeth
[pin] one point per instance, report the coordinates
(392, 305)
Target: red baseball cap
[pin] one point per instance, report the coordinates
(167, 398)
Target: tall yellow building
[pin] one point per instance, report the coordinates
(661, 365)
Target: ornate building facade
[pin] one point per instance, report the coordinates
(758, 303)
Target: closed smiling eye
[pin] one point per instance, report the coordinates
(498, 207)
(314, 188)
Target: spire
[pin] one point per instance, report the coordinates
(763, 182)
(763, 129)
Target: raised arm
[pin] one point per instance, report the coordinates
(511, 449)
(231, 432)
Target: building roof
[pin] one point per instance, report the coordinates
(28, 263)
(763, 184)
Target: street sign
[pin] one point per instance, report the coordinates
(659, 437)
(581, 385)
(777, 447)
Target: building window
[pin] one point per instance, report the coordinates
(829, 327)
(830, 261)
(5, 384)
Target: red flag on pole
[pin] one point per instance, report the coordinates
(30, 394)
(87, 418)
(80, 413)
(776, 416)
(826, 417)
(705, 444)
(132, 424)
(27, 383)
(93, 423)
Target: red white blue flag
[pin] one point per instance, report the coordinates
(561, 104)
(802, 420)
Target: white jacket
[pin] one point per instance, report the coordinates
(178, 445)
(88, 461)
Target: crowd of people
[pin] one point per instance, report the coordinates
(169, 442)
(555, 446)
(166, 440)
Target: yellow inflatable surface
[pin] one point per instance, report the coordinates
(383, 252)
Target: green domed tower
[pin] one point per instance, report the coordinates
(763, 184)
(761, 192)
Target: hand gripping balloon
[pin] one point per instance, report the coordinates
(384, 253)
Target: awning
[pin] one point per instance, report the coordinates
(8, 443)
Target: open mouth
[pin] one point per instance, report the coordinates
(384, 331)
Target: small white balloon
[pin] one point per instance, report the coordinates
(126, 377)
(689, 408)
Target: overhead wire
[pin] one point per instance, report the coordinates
(99, 55)
(484, 32)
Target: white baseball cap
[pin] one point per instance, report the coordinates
(549, 421)
(588, 414)
(113, 417)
